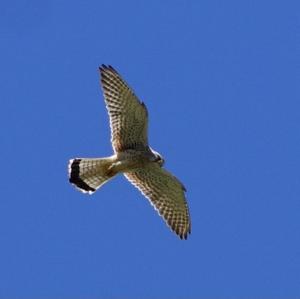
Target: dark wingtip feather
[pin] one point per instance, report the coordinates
(112, 69)
(183, 235)
(104, 68)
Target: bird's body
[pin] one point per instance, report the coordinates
(129, 160)
(133, 157)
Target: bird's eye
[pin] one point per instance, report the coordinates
(160, 160)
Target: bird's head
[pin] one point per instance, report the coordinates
(158, 158)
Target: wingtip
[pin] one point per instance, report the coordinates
(111, 68)
(104, 67)
(183, 235)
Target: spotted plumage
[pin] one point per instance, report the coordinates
(133, 157)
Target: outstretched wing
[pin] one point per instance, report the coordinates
(166, 194)
(128, 116)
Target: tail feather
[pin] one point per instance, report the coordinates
(88, 175)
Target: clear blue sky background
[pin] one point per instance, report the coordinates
(220, 82)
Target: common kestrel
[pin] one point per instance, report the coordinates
(133, 156)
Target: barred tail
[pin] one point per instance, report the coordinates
(88, 175)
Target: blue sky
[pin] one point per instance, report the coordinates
(219, 80)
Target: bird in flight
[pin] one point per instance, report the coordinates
(133, 157)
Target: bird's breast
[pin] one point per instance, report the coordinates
(130, 160)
